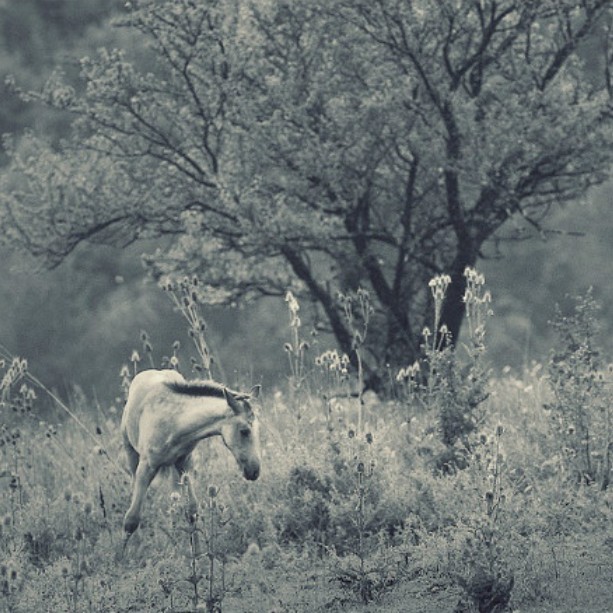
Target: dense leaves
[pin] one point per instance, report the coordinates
(324, 146)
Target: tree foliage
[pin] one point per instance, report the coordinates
(325, 145)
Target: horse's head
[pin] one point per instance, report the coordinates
(241, 433)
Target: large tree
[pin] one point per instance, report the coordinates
(325, 145)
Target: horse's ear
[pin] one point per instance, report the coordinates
(255, 391)
(232, 401)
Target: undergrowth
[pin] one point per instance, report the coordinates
(462, 478)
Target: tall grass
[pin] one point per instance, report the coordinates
(462, 481)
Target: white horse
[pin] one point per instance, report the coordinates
(164, 418)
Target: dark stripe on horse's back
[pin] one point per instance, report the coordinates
(197, 388)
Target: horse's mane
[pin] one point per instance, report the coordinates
(196, 388)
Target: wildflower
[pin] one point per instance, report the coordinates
(360, 468)
(135, 357)
(438, 286)
(351, 433)
(292, 303)
(369, 438)
(499, 430)
(175, 497)
(212, 491)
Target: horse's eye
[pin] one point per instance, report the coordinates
(245, 432)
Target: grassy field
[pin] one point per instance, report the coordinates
(466, 490)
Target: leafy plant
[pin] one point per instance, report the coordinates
(580, 412)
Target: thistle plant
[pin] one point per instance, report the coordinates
(216, 520)
(297, 347)
(205, 579)
(408, 380)
(358, 310)
(485, 575)
(358, 572)
(185, 295)
(334, 378)
(364, 472)
(453, 384)
(580, 411)
(477, 300)
(438, 287)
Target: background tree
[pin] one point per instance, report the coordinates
(324, 146)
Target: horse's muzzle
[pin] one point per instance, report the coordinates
(251, 472)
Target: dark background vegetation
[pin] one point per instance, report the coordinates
(78, 323)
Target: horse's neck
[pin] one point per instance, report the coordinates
(201, 417)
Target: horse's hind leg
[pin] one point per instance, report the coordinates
(182, 466)
(131, 454)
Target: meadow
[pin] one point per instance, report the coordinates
(458, 489)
